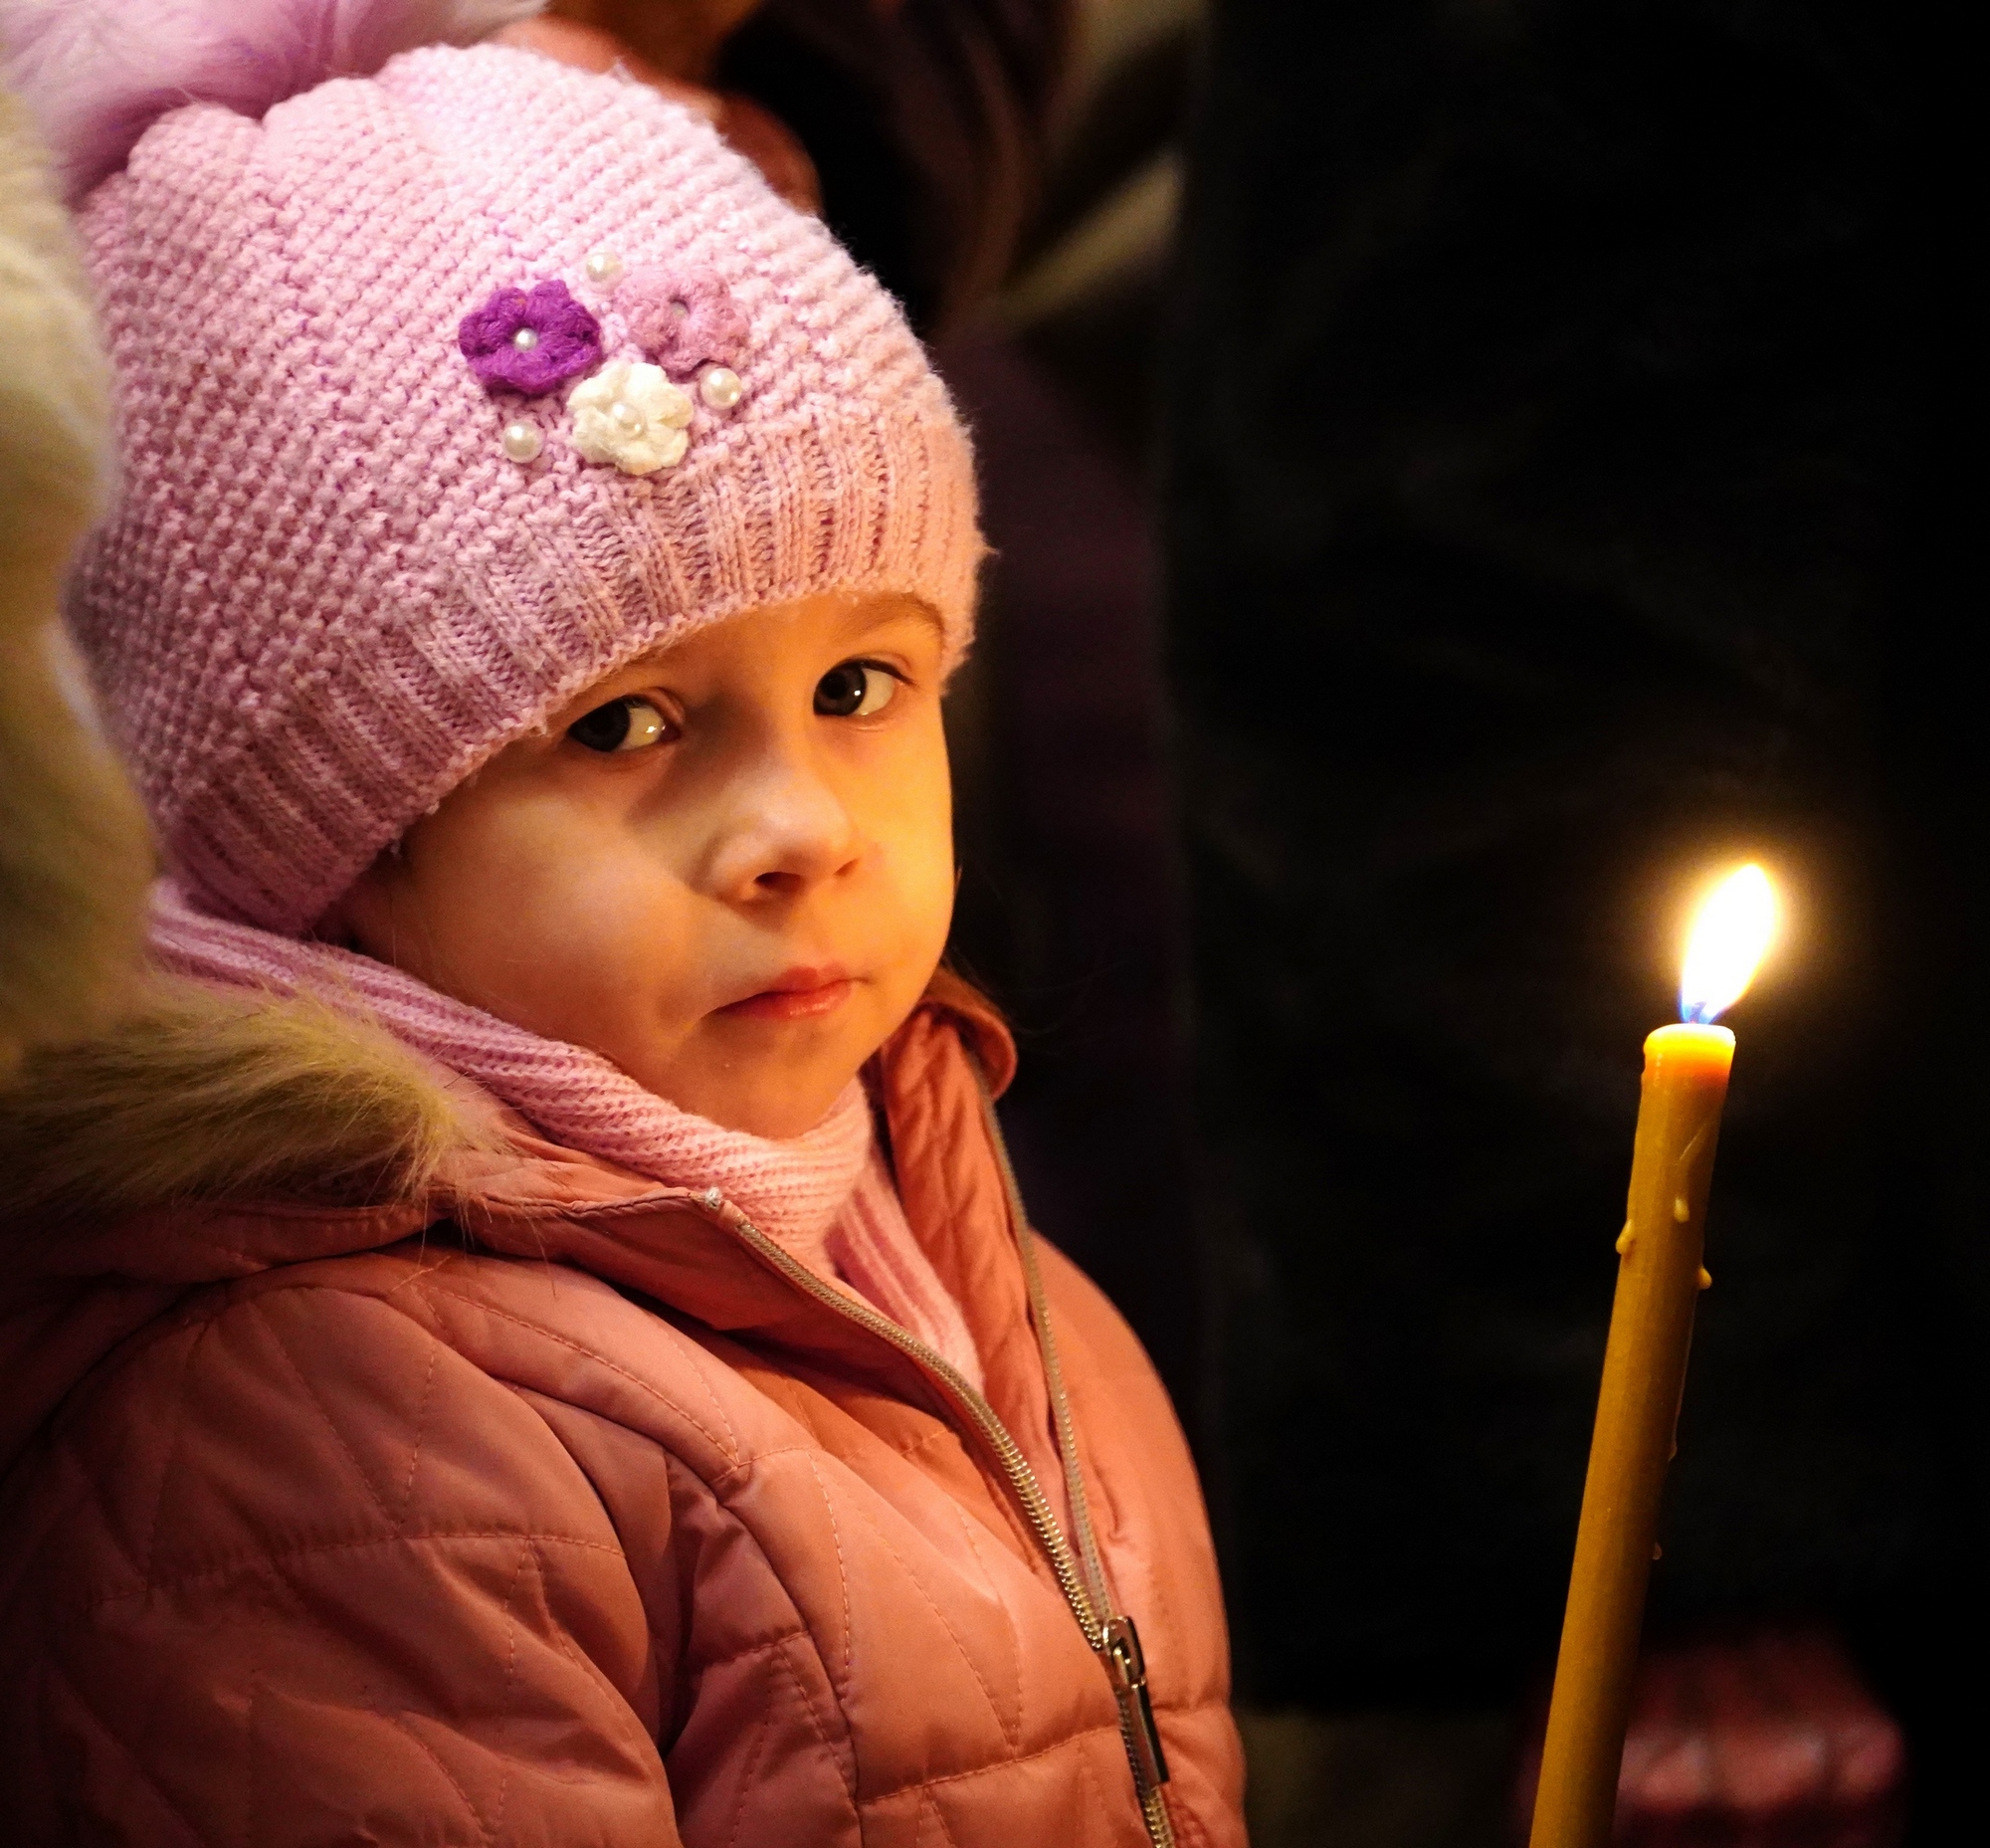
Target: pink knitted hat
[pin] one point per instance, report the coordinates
(443, 391)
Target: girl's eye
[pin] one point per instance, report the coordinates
(855, 690)
(622, 724)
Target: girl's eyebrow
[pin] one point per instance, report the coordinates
(875, 618)
(864, 620)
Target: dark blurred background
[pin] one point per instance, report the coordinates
(1536, 537)
(1462, 473)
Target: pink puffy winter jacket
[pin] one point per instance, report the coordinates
(555, 1509)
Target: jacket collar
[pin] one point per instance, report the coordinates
(510, 1191)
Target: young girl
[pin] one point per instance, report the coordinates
(534, 1340)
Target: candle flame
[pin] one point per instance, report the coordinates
(1728, 942)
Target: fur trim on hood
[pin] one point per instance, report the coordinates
(203, 1094)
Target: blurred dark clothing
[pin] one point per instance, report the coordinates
(926, 121)
(1539, 409)
(1070, 904)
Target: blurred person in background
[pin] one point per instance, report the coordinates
(914, 127)
(1070, 898)
(1539, 405)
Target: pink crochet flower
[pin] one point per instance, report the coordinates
(682, 317)
(530, 342)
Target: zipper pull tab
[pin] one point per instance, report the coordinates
(1119, 1645)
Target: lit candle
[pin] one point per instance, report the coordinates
(1658, 1277)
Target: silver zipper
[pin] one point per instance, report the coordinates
(1119, 1643)
(1113, 1639)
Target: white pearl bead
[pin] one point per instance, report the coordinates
(522, 440)
(526, 340)
(721, 388)
(626, 416)
(604, 269)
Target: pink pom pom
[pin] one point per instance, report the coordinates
(98, 72)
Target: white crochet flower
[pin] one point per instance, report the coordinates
(630, 414)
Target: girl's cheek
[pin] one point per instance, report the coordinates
(924, 886)
(541, 894)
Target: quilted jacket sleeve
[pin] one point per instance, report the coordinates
(317, 1579)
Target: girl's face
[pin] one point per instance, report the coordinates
(728, 867)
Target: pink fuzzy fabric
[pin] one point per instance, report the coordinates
(102, 72)
(872, 1248)
(327, 593)
(827, 1196)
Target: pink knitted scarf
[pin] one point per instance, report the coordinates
(827, 1196)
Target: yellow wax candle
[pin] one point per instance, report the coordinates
(1659, 1278)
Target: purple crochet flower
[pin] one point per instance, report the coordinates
(530, 342)
(682, 318)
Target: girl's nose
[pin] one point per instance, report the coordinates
(786, 828)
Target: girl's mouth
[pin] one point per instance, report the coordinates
(795, 995)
